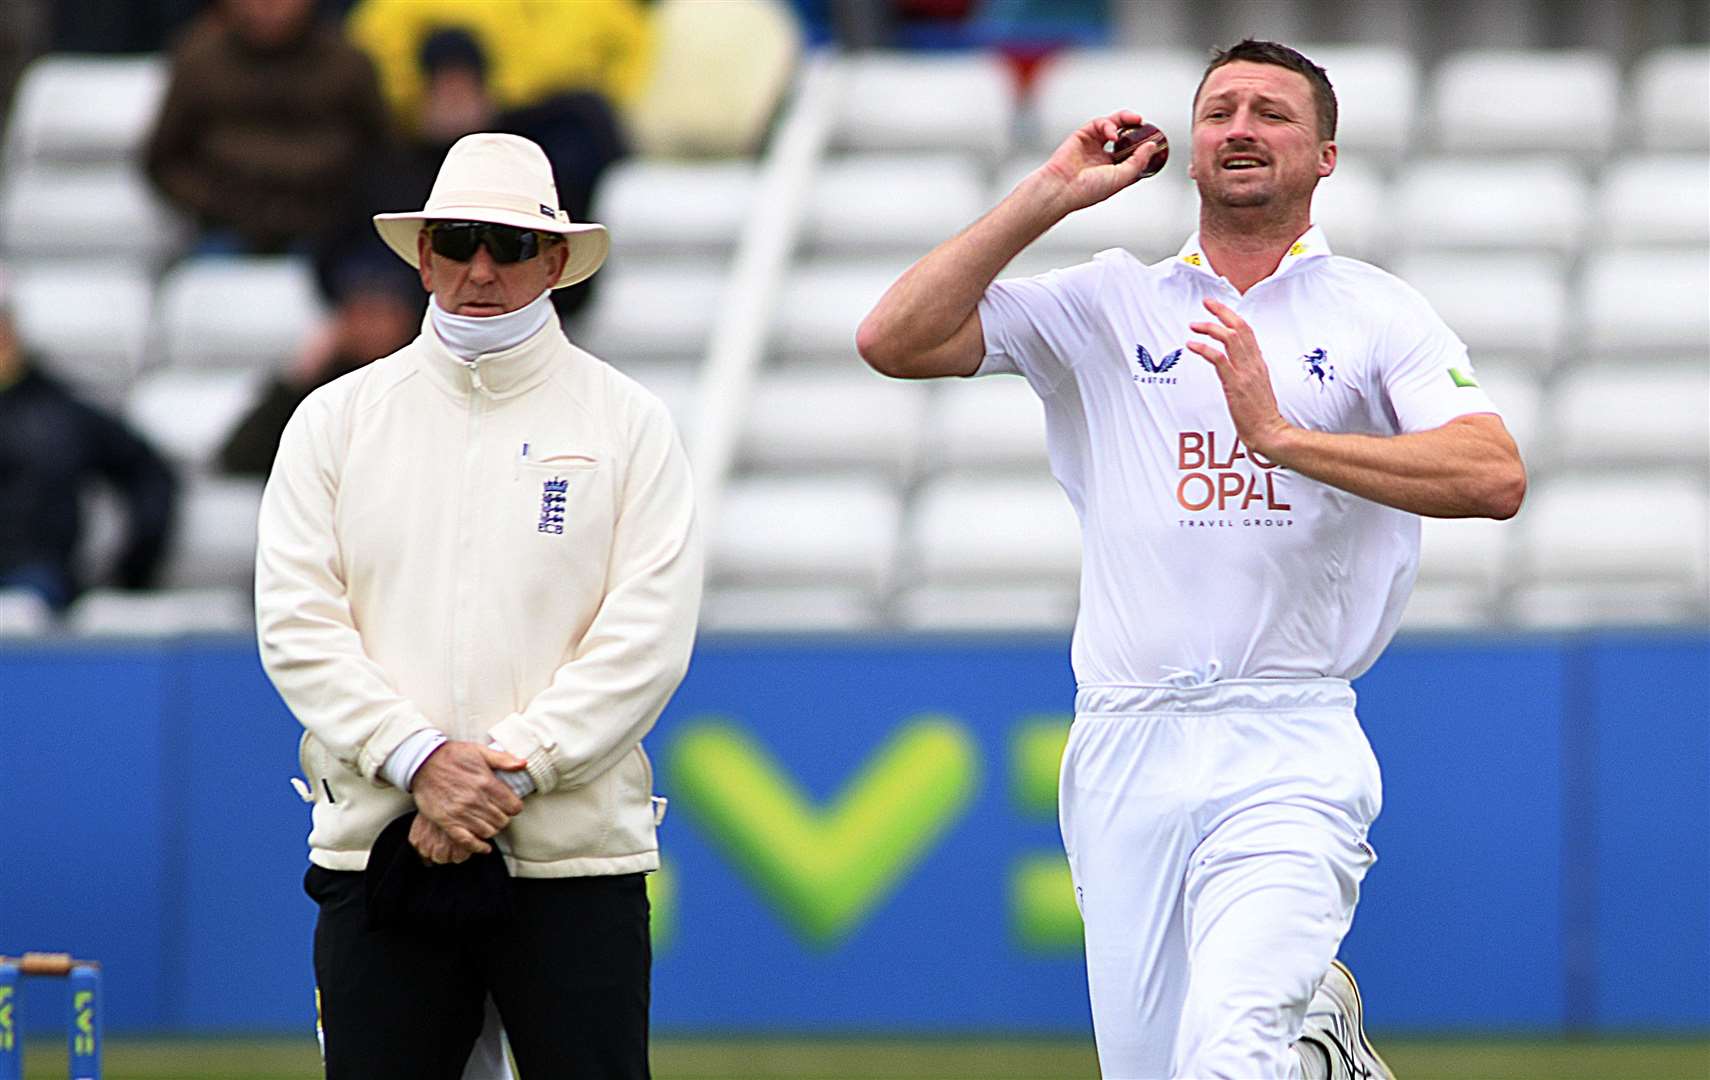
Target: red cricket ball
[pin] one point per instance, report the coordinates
(1129, 139)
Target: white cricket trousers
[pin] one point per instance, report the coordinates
(1217, 838)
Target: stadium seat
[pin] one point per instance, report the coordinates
(1463, 203)
(1151, 219)
(89, 321)
(675, 208)
(989, 608)
(1352, 205)
(1636, 417)
(833, 420)
(1614, 549)
(23, 613)
(1661, 200)
(1377, 99)
(822, 302)
(1461, 570)
(81, 109)
(163, 613)
(1519, 396)
(1078, 84)
(673, 383)
(213, 544)
(905, 101)
(107, 212)
(884, 203)
(789, 609)
(994, 530)
(236, 311)
(822, 531)
(187, 414)
(1526, 324)
(1646, 302)
(1472, 96)
(648, 311)
(1671, 97)
(993, 423)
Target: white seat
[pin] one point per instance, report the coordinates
(1646, 302)
(89, 320)
(101, 212)
(23, 613)
(1662, 200)
(789, 609)
(826, 531)
(653, 311)
(1078, 84)
(1352, 204)
(992, 423)
(1151, 218)
(988, 608)
(1514, 305)
(187, 414)
(1463, 565)
(906, 203)
(213, 543)
(163, 613)
(675, 207)
(1616, 549)
(1537, 203)
(907, 101)
(673, 383)
(80, 109)
(833, 419)
(1473, 96)
(1637, 416)
(988, 530)
(1671, 97)
(237, 312)
(821, 304)
(1377, 99)
(1519, 396)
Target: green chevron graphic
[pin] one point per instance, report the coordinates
(825, 869)
(1043, 914)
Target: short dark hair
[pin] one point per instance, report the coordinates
(1271, 52)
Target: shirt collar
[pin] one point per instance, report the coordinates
(1311, 245)
(494, 375)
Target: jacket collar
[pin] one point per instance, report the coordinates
(1310, 247)
(496, 375)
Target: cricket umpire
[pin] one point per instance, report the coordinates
(1248, 432)
(477, 586)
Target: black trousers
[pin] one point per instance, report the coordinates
(570, 976)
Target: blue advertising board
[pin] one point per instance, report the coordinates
(862, 836)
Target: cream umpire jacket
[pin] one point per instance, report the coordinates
(505, 551)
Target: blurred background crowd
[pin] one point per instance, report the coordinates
(186, 187)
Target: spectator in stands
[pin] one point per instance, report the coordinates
(578, 129)
(265, 122)
(52, 447)
(534, 50)
(374, 317)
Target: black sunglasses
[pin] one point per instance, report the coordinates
(459, 240)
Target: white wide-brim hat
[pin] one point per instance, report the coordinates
(504, 180)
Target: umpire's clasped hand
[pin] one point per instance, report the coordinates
(458, 793)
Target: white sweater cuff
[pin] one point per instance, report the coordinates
(400, 765)
(518, 779)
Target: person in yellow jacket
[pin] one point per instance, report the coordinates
(536, 48)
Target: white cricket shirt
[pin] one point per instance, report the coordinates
(1199, 556)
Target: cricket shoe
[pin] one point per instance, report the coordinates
(1335, 1023)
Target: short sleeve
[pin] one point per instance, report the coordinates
(1427, 376)
(1038, 326)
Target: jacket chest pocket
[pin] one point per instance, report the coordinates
(560, 495)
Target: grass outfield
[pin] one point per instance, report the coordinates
(801, 1059)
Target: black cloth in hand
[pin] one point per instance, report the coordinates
(406, 892)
